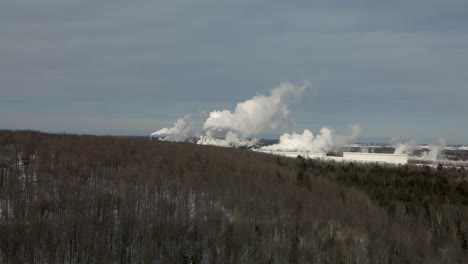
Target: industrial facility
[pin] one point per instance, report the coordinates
(395, 159)
(294, 154)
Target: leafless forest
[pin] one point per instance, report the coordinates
(89, 199)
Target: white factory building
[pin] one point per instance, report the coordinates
(294, 154)
(395, 159)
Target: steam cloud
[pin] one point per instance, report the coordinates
(323, 142)
(231, 140)
(238, 128)
(406, 148)
(430, 152)
(181, 131)
(250, 117)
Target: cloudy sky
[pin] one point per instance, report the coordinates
(398, 68)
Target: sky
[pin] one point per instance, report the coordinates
(398, 68)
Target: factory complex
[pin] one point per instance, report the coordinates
(395, 159)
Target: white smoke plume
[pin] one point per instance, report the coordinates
(354, 130)
(430, 152)
(434, 152)
(250, 117)
(231, 140)
(406, 148)
(325, 141)
(181, 131)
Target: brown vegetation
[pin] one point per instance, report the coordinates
(88, 199)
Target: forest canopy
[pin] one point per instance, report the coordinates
(95, 199)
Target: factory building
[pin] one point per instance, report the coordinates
(294, 154)
(397, 159)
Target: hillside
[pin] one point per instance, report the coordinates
(90, 199)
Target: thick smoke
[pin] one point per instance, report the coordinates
(325, 141)
(181, 131)
(226, 128)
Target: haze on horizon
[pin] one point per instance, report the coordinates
(129, 68)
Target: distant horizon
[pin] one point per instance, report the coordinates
(363, 141)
